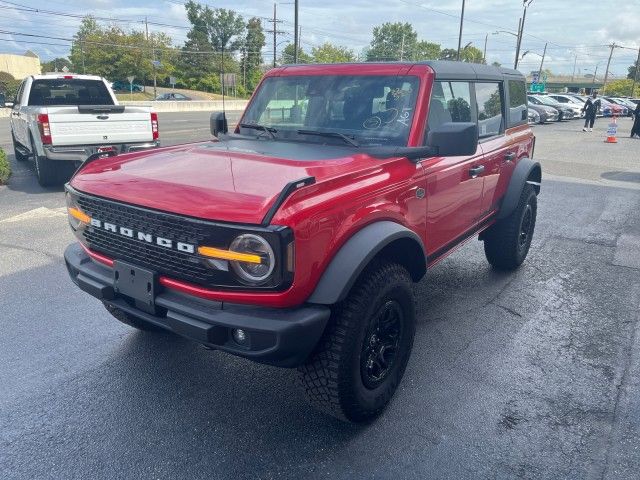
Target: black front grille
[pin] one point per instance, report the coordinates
(165, 261)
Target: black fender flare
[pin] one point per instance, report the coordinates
(352, 258)
(527, 170)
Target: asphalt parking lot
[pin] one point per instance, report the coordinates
(534, 374)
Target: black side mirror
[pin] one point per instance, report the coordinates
(454, 139)
(218, 123)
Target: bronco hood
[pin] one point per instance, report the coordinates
(234, 181)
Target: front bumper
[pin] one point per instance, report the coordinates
(80, 153)
(280, 337)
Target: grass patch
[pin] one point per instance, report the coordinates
(5, 168)
(139, 96)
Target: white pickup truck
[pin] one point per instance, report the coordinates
(62, 120)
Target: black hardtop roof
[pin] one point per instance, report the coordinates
(469, 71)
(444, 69)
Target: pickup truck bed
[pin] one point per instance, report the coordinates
(60, 121)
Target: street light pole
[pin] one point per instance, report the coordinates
(525, 5)
(460, 35)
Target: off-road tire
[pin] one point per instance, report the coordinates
(51, 172)
(504, 244)
(20, 157)
(333, 378)
(130, 320)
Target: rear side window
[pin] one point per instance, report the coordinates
(60, 91)
(450, 102)
(517, 102)
(490, 109)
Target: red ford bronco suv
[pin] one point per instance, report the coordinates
(294, 240)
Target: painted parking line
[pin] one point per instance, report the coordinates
(36, 214)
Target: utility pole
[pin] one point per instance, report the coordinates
(460, 34)
(575, 61)
(525, 5)
(515, 62)
(275, 31)
(296, 40)
(542, 61)
(606, 73)
(593, 80)
(84, 70)
(635, 77)
(402, 48)
(484, 55)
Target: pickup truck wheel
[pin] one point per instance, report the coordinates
(20, 157)
(507, 243)
(359, 362)
(51, 172)
(130, 320)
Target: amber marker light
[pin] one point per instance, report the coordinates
(79, 215)
(229, 255)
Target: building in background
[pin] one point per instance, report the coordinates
(20, 66)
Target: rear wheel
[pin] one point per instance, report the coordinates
(506, 244)
(51, 172)
(130, 320)
(358, 364)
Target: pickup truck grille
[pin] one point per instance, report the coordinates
(165, 261)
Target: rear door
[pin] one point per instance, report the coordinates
(454, 187)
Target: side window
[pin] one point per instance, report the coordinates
(490, 109)
(517, 103)
(450, 102)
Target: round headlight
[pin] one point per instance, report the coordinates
(253, 273)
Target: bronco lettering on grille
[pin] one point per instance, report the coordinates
(145, 237)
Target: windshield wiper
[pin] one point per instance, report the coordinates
(269, 130)
(339, 135)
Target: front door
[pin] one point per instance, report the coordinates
(454, 184)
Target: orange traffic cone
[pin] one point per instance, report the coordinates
(612, 132)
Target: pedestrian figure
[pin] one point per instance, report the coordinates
(635, 130)
(591, 107)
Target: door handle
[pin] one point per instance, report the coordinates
(475, 171)
(510, 157)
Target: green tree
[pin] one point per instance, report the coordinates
(329, 53)
(620, 87)
(115, 54)
(632, 71)
(469, 54)
(392, 41)
(427, 51)
(251, 63)
(287, 55)
(56, 65)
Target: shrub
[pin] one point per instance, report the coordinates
(5, 168)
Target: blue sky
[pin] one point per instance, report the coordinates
(572, 28)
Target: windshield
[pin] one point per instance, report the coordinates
(372, 110)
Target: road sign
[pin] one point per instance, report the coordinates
(65, 69)
(131, 78)
(172, 81)
(156, 63)
(535, 77)
(536, 87)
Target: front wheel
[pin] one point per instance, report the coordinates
(506, 244)
(20, 157)
(359, 362)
